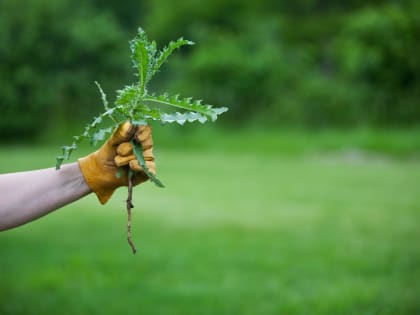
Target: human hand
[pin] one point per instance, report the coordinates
(101, 167)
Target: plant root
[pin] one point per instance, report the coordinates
(129, 207)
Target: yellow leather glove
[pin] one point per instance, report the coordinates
(100, 168)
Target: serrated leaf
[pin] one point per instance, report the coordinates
(120, 172)
(59, 161)
(140, 58)
(167, 118)
(193, 116)
(187, 104)
(138, 152)
(168, 50)
(139, 122)
(101, 135)
(103, 96)
(96, 121)
(143, 55)
(67, 150)
(182, 118)
(128, 96)
(130, 103)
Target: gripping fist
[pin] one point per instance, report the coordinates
(100, 168)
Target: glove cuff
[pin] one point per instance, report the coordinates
(92, 175)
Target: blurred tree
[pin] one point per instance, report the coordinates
(51, 53)
(377, 51)
(306, 62)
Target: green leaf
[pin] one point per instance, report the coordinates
(101, 135)
(138, 152)
(141, 55)
(103, 96)
(132, 102)
(59, 160)
(120, 172)
(181, 118)
(188, 104)
(168, 50)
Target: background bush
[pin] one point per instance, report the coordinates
(307, 63)
(51, 53)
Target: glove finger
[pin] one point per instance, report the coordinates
(147, 143)
(148, 154)
(151, 166)
(125, 154)
(123, 133)
(143, 132)
(125, 149)
(123, 160)
(136, 167)
(144, 136)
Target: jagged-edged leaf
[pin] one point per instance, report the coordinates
(138, 152)
(127, 96)
(153, 114)
(103, 96)
(59, 160)
(96, 121)
(138, 117)
(100, 135)
(188, 104)
(132, 101)
(67, 150)
(140, 57)
(143, 55)
(182, 118)
(167, 51)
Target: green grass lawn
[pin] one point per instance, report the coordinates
(232, 233)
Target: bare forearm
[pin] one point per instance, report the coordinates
(26, 196)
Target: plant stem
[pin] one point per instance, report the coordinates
(129, 207)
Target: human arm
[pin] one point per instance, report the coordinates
(26, 196)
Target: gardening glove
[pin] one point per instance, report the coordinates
(125, 155)
(100, 168)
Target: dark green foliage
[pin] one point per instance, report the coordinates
(377, 52)
(307, 63)
(50, 54)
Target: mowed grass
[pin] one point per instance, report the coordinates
(232, 233)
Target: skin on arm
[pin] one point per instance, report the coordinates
(26, 196)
